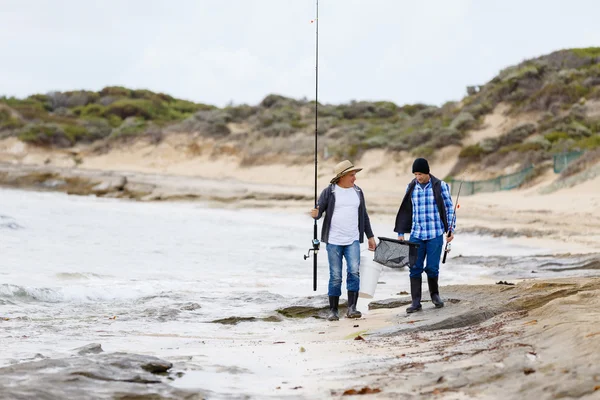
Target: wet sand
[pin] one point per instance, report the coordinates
(535, 339)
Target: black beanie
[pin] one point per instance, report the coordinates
(421, 165)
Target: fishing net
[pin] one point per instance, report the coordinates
(395, 253)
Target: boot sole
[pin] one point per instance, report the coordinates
(415, 310)
(439, 305)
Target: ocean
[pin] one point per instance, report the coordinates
(152, 278)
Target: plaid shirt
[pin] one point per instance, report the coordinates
(426, 221)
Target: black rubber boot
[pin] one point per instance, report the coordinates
(415, 294)
(434, 291)
(334, 302)
(352, 299)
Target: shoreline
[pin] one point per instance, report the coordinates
(471, 348)
(537, 338)
(565, 220)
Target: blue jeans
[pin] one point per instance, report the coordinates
(430, 249)
(351, 253)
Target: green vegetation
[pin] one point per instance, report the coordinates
(65, 118)
(555, 87)
(587, 52)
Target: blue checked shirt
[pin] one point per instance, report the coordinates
(426, 221)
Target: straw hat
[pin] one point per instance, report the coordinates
(342, 169)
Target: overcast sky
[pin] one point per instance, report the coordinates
(221, 51)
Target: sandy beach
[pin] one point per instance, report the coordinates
(562, 216)
(533, 339)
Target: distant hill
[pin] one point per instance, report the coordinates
(552, 102)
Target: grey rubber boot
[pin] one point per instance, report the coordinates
(334, 302)
(434, 291)
(352, 300)
(415, 294)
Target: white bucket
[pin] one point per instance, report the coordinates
(369, 276)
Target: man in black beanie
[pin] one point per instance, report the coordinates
(427, 213)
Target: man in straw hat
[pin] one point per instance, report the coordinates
(426, 212)
(345, 224)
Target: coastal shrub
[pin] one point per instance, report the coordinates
(90, 110)
(28, 109)
(45, 135)
(185, 108)
(358, 110)
(130, 127)
(269, 117)
(81, 98)
(323, 127)
(413, 109)
(385, 109)
(521, 147)
(40, 99)
(278, 129)
(57, 100)
(149, 95)
(140, 108)
(574, 129)
(75, 133)
(115, 91)
(479, 109)
(277, 101)
(588, 52)
(327, 110)
(429, 112)
(556, 136)
(589, 143)
(556, 93)
(379, 141)
(240, 113)
(211, 123)
(97, 128)
(520, 72)
(562, 145)
(517, 134)
(108, 100)
(463, 121)
(7, 121)
(299, 125)
(423, 151)
(472, 152)
(398, 143)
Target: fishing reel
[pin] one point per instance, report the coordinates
(315, 249)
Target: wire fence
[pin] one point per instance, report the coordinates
(503, 182)
(562, 160)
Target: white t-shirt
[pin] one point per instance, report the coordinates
(344, 222)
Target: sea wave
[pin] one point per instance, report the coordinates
(23, 293)
(7, 222)
(70, 294)
(79, 276)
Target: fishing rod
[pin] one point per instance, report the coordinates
(315, 241)
(447, 248)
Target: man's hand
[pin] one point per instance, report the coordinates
(314, 212)
(449, 237)
(372, 244)
(401, 237)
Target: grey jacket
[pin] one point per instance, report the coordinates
(326, 205)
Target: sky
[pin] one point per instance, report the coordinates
(224, 52)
